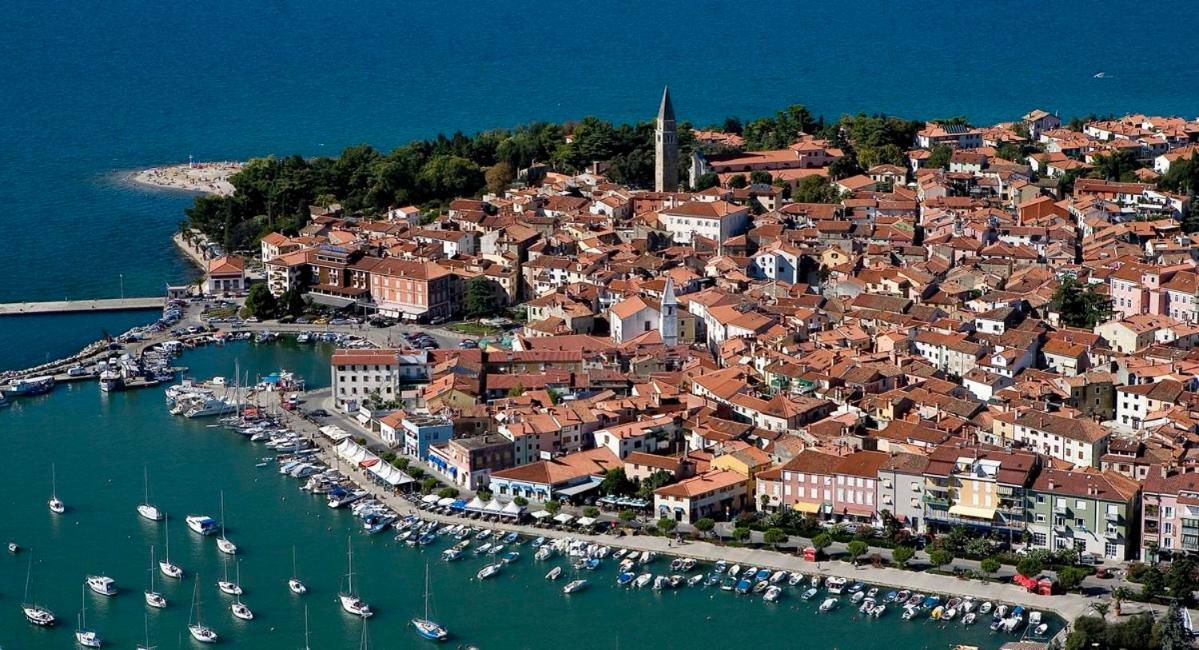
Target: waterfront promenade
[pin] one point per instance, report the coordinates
(74, 306)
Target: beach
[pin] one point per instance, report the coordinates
(203, 177)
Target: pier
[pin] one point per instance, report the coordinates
(77, 306)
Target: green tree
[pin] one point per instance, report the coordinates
(1119, 595)
(520, 501)
(989, 565)
(939, 157)
(427, 485)
(1118, 166)
(292, 302)
(667, 525)
(940, 557)
(760, 177)
(480, 297)
(1101, 608)
(448, 493)
(1171, 632)
(738, 181)
(449, 176)
(856, 549)
(654, 481)
(401, 463)
(706, 181)
(626, 516)
(741, 533)
(1153, 584)
(553, 507)
(1080, 305)
(901, 555)
(821, 542)
(844, 167)
(615, 483)
(591, 511)
(260, 302)
(516, 391)
(775, 537)
(1011, 151)
(705, 525)
(1029, 567)
(1180, 581)
(484, 495)
(1071, 577)
(815, 189)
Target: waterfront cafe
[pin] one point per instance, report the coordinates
(373, 467)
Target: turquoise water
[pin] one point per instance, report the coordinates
(27, 341)
(100, 445)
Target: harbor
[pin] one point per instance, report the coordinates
(73, 306)
(190, 461)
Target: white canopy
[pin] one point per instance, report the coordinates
(512, 509)
(430, 498)
(446, 501)
(352, 452)
(494, 506)
(476, 505)
(541, 514)
(563, 518)
(585, 521)
(334, 433)
(390, 474)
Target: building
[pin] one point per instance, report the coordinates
(469, 462)
(856, 485)
(978, 487)
(718, 494)
(1075, 440)
(900, 489)
(420, 432)
(361, 374)
(560, 477)
(1087, 510)
(648, 435)
(717, 221)
(1169, 514)
(226, 275)
(666, 147)
(808, 482)
(414, 291)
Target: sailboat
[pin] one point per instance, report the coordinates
(350, 601)
(153, 598)
(426, 627)
(198, 630)
(294, 583)
(145, 509)
(239, 610)
(83, 636)
(146, 625)
(306, 647)
(231, 588)
(169, 570)
(35, 613)
(56, 504)
(222, 543)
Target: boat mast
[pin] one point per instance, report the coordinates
(151, 568)
(168, 538)
(306, 627)
(426, 591)
(53, 483)
(146, 483)
(82, 607)
(350, 563)
(222, 514)
(293, 564)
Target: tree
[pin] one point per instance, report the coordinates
(706, 181)
(844, 167)
(1171, 633)
(1118, 166)
(1153, 584)
(260, 302)
(615, 483)
(499, 176)
(449, 176)
(591, 511)
(292, 302)
(939, 157)
(738, 181)
(1071, 577)
(940, 557)
(705, 525)
(448, 493)
(626, 516)
(553, 507)
(479, 300)
(667, 525)
(741, 533)
(1011, 151)
(760, 177)
(1119, 595)
(1101, 608)
(653, 482)
(1079, 305)
(427, 485)
(1180, 581)
(815, 189)
(900, 555)
(855, 549)
(516, 391)
(401, 463)
(989, 565)
(774, 537)
(1029, 567)
(520, 501)
(821, 542)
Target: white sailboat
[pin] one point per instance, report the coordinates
(145, 509)
(195, 626)
(153, 598)
(238, 608)
(33, 612)
(230, 588)
(298, 588)
(146, 626)
(306, 646)
(169, 570)
(227, 547)
(56, 504)
(427, 627)
(350, 601)
(83, 636)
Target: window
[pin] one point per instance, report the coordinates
(1080, 505)
(1040, 498)
(1040, 518)
(1167, 512)
(1038, 539)
(1109, 550)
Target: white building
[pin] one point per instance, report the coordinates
(714, 220)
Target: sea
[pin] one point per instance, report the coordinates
(90, 93)
(97, 446)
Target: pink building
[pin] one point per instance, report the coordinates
(808, 482)
(1169, 514)
(855, 485)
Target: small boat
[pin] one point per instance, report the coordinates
(856, 587)
(835, 584)
(761, 586)
(890, 597)
(996, 623)
(969, 618)
(772, 594)
(866, 606)
(554, 573)
(1001, 611)
(734, 570)
(795, 579)
(909, 612)
(145, 509)
(202, 524)
(13, 548)
(480, 550)
(713, 580)
(153, 598)
(932, 602)
(195, 627)
(872, 593)
(1041, 629)
(103, 585)
(451, 554)
(903, 596)
(350, 602)
(536, 543)
(857, 597)
(829, 605)
(969, 604)
(816, 580)
(743, 586)
(427, 627)
(778, 577)
(625, 578)
(695, 579)
(241, 611)
(809, 594)
(293, 583)
(56, 505)
(916, 599)
(511, 556)
(489, 571)
(511, 538)
(643, 580)
(574, 585)
(721, 567)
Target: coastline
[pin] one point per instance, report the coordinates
(200, 177)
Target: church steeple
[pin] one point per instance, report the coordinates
(668, 315)
(666, 147)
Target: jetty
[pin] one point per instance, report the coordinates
(77, 306)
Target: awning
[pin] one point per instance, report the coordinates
(563, 518)
(512, 510)
(541, 514)
(369, 462)
(585, 521)
(494, 506)
(575, 490)
(446, 501)
(429, 498)
(458, 505)
(476, 505)
(390, 474)
(970, 511)
(804, 506)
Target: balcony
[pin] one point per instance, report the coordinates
(1112, 533)
(934, 500)
(1061, 508)
(935, 488)
(1113, 515)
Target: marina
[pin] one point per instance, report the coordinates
(387, 574)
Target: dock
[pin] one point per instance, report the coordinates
(80, 306)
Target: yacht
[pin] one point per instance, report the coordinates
(153, 598)
(241, 611)
(34, 613)
(643, 580)
(427, 627)
(145, 509)
(83, 636)
(230, 588)
(111, 381)
(56, 505)
(103, 585)
(350, 601)
(208, 408)
(195, 626)
(298, 588)
(574, 586)
(829, 605)
(202, 524)
(169, 570)
(490, 570)
(222, 543)
(146, 626)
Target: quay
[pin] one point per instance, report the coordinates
(75, 306)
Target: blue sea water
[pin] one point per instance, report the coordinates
(89, 92)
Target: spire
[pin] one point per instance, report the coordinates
(666, 109)
(668, 293)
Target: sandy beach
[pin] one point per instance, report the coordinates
(206, 177)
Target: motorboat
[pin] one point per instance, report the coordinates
(13, 547)
(721, 567)
(835, 584)
(909, 612)
(727, 583)
(712, 580)
(574, 586)
(202, 524)
(511, 556)
(816, 580)
(760, 586)
(778, 577)
(969, 618)
(872, 593)
(829, 605)
(856, 587)
(857, 597)
(985, 608)
(554, 573)
(772, 594)
(795, 579)
(489, 571)
(743, 586)
(901, 597)
(643, 580)
(968, 604)
(661, 582)
(695, 579)
(451, 554)
(866, 606)
(734, 570)
(103, 585)
(808, 594)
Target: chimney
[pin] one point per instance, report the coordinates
(1051, 486)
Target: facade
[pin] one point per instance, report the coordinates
(415, 291)
(360, 374)
(901, 489)
(1169, 515)
(226, 275)
(716, 221)
(856, 485)
(1078, 441)
(718, 494)
(649, 435)
(420, 432)
(559, 477)
(1087, 510)
(978, 487)
(469, 462)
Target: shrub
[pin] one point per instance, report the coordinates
(902, 554)
(940, 557)
(1029, 567)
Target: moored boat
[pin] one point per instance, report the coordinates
(574, 586)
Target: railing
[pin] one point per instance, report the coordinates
(936, 501)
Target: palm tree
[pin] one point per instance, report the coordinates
(1101, 608)
(1119, 595)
